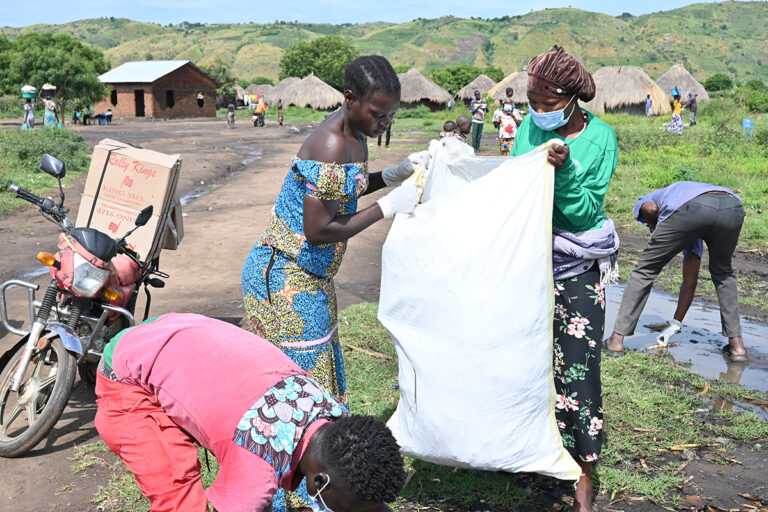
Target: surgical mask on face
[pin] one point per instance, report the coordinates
(316, 502)
(549, 121)
(508, 107)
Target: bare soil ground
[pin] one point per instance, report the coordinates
(221, 226)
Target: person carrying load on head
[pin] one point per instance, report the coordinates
(585, 245)
(181, 380)
(287, 278)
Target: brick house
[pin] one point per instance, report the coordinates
(159, 88)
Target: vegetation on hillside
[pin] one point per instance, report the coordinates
(727, 37)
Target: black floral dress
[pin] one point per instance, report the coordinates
(578, 334)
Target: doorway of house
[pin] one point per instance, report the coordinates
(138, 95)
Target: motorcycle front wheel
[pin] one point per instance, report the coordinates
(27, 416)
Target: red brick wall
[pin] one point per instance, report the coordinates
(185, 83)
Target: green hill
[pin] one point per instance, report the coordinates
(730, 37)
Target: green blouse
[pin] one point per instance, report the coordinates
(581, 183)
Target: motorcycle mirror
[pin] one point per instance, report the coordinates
(144, 216)
(53, 166)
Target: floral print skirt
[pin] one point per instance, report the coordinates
(578, 338)
(505, 146)
(295, 310)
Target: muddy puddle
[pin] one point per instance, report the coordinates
(700, 342)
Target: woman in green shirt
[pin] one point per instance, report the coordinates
(584, 245)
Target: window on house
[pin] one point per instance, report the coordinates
(200, 99)
(113, 98)
(169, 99)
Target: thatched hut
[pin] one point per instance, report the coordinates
(281, 88)
(482, 83)
(678, 76)
(624, 89)
(262, 89)
(312, 92)
(416, 89)
(518, 82)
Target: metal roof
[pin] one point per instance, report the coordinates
(144, 72)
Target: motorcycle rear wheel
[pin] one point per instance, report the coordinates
(27, 416)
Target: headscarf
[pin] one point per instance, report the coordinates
(556, 73)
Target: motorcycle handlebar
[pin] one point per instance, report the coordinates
(27, 196)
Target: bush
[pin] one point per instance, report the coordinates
(20, 153)
(420, 111)
(718, 82)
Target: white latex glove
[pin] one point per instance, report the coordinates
(397, 174)
(401, 200)
(673, 328)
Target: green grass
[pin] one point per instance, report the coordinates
(647, 392)
(20, 153)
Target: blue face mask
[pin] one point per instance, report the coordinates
(317, 502)
(549, 121)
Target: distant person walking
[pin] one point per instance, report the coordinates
(29, 114)
(51, 117)
(280, 112)
(389, 132)
(648, 106)
(693, 107)
(679, 215)
(477, 107)
(506, 119)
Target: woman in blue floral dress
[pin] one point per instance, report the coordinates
(288, 276)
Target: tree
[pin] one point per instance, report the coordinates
(453, 78)
(217, 68)
(718, 82)
(325, 56)
(401, 68)
(60, 60)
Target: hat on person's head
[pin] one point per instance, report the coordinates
(556, 73)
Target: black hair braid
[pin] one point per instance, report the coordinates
(362, 452)
(369, 75)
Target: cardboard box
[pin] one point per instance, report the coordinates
(129, 176)
(174, 227)
(122, 180)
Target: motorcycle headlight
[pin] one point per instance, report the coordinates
(88, 277)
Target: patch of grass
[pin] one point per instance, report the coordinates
(20, 153)
(650, 405)
(84, 458)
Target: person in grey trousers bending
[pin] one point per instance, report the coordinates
(678, 215)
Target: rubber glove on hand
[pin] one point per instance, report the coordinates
(397, 174)
(673, 328)
(401, 200)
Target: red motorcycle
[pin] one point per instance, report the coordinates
(92, 296)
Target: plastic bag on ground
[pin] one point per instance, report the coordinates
(467, 296)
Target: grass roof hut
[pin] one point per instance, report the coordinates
(312, 92)
(482, 83)
(262, 89)
(678, 76)
(518, 82)
(281, 88)
(416, 89)
(624, 89)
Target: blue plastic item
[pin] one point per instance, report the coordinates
(747, 125)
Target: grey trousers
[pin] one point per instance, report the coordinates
(717, 219)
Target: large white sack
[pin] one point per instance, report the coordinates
(467, 296)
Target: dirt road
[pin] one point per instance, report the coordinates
(221, 223)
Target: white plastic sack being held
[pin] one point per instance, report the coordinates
(466, 294)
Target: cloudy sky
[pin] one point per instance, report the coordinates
(315, 11)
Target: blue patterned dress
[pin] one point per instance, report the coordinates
(287, 282)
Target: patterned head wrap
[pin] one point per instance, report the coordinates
(556, 73)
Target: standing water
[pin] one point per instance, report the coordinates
(700, 340)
